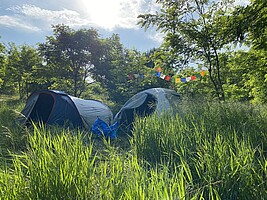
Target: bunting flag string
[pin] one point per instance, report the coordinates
(170, 78)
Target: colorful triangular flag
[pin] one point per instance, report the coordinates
(177, 80)
(162, 76)
(193, 77)
(198, 76)
(202, 73)
(183, 80)
(167, 78)
(159, 69)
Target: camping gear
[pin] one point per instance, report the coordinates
(101, 128)
(145, 103)
(57, 107)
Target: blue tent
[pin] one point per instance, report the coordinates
(57, 107)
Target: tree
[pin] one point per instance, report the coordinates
(257, 13)
(71, 55)
(246, 76)
(246, 70)
(249, 24)
(32, 71)
(23, 69)
(13, 71)
(194, 29)
(2, 64)
(116, 64)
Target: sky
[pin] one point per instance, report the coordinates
(29, 21)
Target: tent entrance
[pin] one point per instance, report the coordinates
(145, 109)
(42, 108)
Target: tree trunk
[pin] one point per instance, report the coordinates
(222, 97)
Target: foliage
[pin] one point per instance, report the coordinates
(113, 71)
(2, 64)
(23, 70)
(137, 64)
(195, 89)
(249, 24)
(246, 76)
(194, 30)
(198, 35)
(70, 55)
(257, 13)
(11, 80)
(96, 91)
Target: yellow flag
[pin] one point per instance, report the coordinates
(177, 80)
(202, 73)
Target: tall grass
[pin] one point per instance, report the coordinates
(12, 134)
(223, 147)
(206, 151)
(63, 167)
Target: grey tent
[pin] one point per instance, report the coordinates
(145, 103)
(57, 107)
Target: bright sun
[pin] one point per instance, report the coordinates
(103, 13)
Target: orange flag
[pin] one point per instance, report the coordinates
(202, 73)
(159, 69)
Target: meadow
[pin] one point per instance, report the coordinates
(208, 150)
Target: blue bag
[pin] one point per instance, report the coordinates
(102, 128)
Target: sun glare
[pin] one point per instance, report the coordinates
(104, 13)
